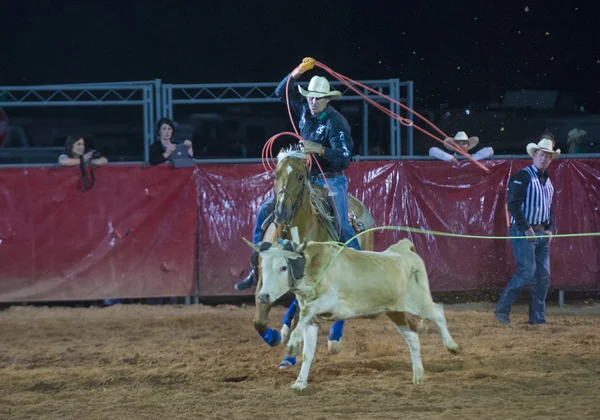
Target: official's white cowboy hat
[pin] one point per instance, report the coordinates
(319, 87)
(462, 136)
(575, 133)
(545, 145)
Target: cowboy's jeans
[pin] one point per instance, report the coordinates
(264, 211)
(339, 190)
(533, 270)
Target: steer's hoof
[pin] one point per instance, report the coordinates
(334, 346)
(299, 386)
(454, 348)
(418, 375)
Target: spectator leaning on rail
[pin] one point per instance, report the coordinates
(162, 148)
(576, 145)
(75, 153)
(466, 143)
(530, 194)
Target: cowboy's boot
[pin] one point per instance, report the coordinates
(247, 282)
(251, 278)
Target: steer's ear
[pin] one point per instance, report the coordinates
(301, 247)
(251, 245)
(264, 246)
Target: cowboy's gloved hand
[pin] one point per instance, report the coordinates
(312, 147)
(307, 64)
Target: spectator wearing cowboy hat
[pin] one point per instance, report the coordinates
(530, 194)
(574, 140)
(465, 143)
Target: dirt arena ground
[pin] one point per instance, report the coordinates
(202, 362)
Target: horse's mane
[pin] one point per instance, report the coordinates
(318, 198)
(294, 152)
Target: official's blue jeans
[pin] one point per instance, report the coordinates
(339, 190)
(533, 271)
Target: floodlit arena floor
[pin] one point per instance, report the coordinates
(207, 362)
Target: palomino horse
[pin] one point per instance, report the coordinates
(300, 204)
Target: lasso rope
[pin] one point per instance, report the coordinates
(437, 233)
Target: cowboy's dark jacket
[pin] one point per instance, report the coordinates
(328, 129)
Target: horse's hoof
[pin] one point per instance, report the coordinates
(271, 337)
(287, 362)
(334, 346)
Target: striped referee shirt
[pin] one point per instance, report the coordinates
(530, 199)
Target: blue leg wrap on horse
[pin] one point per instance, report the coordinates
(287, 361)
(290, 314)
(336, 331)
(271, 337)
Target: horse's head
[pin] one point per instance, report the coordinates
(291, 182)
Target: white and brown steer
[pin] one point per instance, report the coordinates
(357, 284)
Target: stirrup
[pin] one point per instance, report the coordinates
(248, 282)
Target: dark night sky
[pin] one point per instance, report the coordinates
(454, 51)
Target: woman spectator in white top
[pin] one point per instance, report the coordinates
(466, 143)
(75, 153)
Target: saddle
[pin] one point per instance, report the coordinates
(358, 216)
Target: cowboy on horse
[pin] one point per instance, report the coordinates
(326, 135)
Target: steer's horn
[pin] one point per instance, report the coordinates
(251, 245)
(301, 247)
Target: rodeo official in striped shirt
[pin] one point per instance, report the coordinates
(530, 194)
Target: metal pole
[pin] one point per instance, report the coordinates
(151, 108)
(393, 142)
(410, 104)
(158, 90)
(561, 298)
(365, 139)
(169, 102)
(146, 125)
(396, 97)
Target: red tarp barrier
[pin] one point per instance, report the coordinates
(143, 231)
(131, 235)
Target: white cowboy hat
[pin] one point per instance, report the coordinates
(575, 133)
(462, 136)
(545, 145)
(319, 87)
